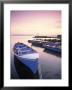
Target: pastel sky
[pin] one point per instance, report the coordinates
(36, 22)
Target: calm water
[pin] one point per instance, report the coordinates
(50, 64)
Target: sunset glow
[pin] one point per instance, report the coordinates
(35, 22)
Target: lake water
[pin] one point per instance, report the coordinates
(50, 64)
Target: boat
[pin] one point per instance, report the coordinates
(37, 42)
(27, 57)
(30, 41)
(54, 47)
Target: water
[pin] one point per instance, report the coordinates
(50, 64)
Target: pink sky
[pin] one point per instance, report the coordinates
(36, 22)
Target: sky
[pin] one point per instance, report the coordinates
(37, 22)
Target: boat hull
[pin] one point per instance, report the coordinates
(31, 63)
(26, 69)
(57, 50)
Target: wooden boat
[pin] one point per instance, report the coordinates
(26, 56)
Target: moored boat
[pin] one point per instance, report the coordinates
(27, 57)
(55, 47)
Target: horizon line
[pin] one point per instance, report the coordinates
(32, 35)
